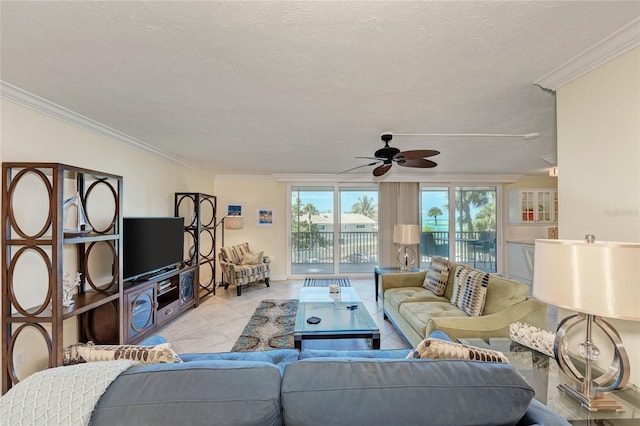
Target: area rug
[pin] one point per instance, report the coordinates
(270, 327)
(326, 282)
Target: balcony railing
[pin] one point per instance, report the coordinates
(358, 251)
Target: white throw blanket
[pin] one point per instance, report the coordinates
(60, 396)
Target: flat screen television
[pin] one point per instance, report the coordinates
(151, 245)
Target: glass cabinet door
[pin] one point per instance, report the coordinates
(142, 313)
(187, 292)
(526, 206)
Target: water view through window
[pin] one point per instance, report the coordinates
(472, 238)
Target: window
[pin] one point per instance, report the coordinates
(468, 233)
(324, 242)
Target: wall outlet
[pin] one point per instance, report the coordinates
(20, 359)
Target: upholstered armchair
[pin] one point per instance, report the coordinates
(240, 266)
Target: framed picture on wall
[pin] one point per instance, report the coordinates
(266, 217)
(235, 209)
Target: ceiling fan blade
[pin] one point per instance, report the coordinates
(382, 169)
(418, 162)
(358, 167)
(371, 158)
(418, 153)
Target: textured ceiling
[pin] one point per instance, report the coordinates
(305, 87)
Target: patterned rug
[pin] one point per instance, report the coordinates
(270, 327)
(326, 282)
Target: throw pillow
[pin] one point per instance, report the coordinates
(441, 349)
(252, 258)
(437, 275)
(89, 352)
(470, 291)
(235, 253)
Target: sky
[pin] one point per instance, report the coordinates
(323, 200)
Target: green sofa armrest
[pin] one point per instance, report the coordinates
(408, 279)
(531, 311)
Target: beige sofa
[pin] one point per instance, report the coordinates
(416, 311)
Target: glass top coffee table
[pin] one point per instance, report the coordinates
(544, 375)
(342, 316)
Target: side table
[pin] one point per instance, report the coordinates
(381, 270)
(544, 375)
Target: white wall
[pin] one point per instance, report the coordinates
(254, 193)
(149, 182)
(599, 164)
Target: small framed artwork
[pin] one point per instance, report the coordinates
(266, 217)
(235, 209)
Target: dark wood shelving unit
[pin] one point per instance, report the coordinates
(96, 305)
(199, 212)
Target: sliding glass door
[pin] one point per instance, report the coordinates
(475, 227)
(434, 236)
(312, 230)
(466, 234)
(358, 236)
(323, 242)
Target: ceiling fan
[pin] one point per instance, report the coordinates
(389, 155)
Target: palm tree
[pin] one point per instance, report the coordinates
(310, 210)
(364, 205)
(464, 200)
(296, 212)
(434, 212)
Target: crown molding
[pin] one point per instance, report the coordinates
(244, 177)
(44, 106)
(621, 41)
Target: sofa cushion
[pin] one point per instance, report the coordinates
(502, 293)
(394, 392)
(470, 290)
(442, 349)
(437, 276)
(329, 353)
(190, 393)
(396, 296)
(419, 313)
(278, 357)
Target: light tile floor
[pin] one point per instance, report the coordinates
(218, 321)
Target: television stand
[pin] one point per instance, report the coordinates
(153, 276)
(157, 300)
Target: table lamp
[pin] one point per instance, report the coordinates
(406, 235)
(595, 279)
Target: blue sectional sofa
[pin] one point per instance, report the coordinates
(315, 387)
(310, 387)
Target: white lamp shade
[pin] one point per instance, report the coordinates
(406, 234)
(233, 222)
(599, 278)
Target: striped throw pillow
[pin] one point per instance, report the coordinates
(470, 291)
(437, 275)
